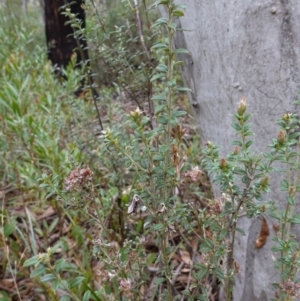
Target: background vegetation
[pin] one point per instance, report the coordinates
(48, 134)
(117, 205)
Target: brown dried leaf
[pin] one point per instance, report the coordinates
(186, 257)
(264, 233)
(46, 213)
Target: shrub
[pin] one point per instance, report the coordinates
(124, 214)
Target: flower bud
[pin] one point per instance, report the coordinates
(264, 182)
(223, 163)
(242, 106)
(281, 137)
(262, 208)
(236, 150)
(276, 228)
(208, 144)
(136, 115)
(286, 117)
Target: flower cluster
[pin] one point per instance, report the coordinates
(193, 175)
(78, 179)
(291, 288)
(126, 288)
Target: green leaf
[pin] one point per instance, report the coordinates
(249, 143)
(31, 261)
(178, 13)
(86, 296)
(294, 135)
(160, 108)
(151, 258)
(239, 171)
(38, 271)
(158, 157)
(297, 102)
(202, 297)
(172, 26)
(158, 227)
(159, 280)
(162, 68)
(236, 126)
(179, 6)
(162, 119)
(160, 21)
(124, 254)
(179, 113)
(159, 97)
(245, 179)
(53, 225)
(158, 170)
(156, 3)
(295, 219)
(277, 248)
(157, 76)
(160, 46)
(248, 133)
(55, 247)
(218, 272)
(236, 142)
(4, 296)
(139, 226)
(47, 278)
(9, 227)
(180, 63)
(284, 185)
(16, 108)
(181, 50)
(241, 231)
(186, 292)
(55, 284)
(65, 298)
(76, 281)
(291, 201)
(183, 89)
(208, 243)
(201, 273)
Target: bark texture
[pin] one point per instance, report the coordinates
(60, 40)
(243, 48)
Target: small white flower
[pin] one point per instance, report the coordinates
(136, 113)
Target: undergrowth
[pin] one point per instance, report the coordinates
(123, 210)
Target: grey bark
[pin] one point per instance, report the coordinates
(243, 48)
(24, 7)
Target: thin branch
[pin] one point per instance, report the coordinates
(140, 28)
(148, 55)
(6, 251)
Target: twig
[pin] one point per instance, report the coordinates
(7, 250)
(177, 272)
(13, 276)
(140, 28)
(190, 273)
(147, 52)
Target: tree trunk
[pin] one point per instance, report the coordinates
(59, 35)
(243, 48)
(24, 7)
